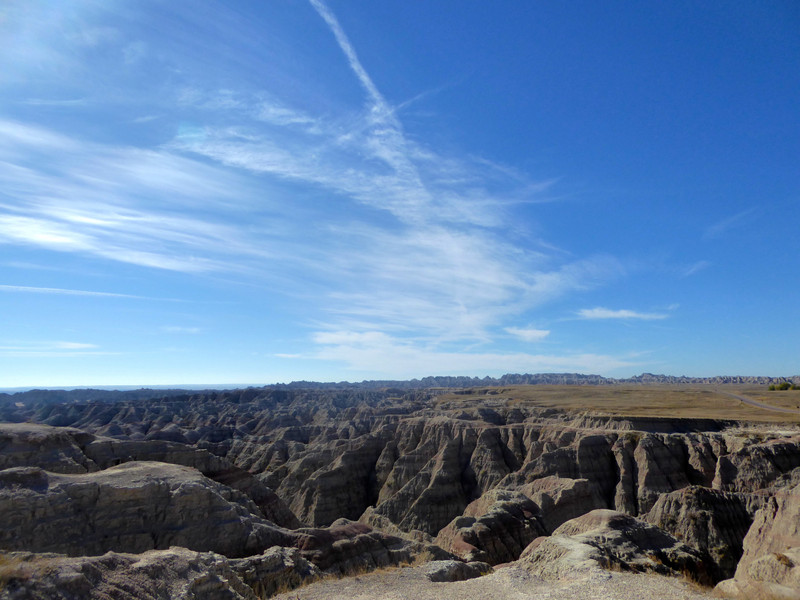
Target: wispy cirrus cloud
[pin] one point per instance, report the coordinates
(721, 227)
(696, 267)
(146, 207)
(50, 349)
(57, 102)
(528, 335)
(372, 229)
(376, 352)
(607, 313)
(15, 135)
(179, 329)
(446, 264)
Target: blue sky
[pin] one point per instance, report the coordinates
(255, 192)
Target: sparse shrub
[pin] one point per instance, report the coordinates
(784, 560)
(783, 386)
(12, 568)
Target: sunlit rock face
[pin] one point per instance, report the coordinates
(610, 539)
(770, 563)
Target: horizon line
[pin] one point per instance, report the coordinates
(235, 386)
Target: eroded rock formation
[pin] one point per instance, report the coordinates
(355, 479)
(610, 539)
(172, 573)
(133, 507)
(770, 563)
(710, 521)
(495, 528)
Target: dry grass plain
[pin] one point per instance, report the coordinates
(642, 400)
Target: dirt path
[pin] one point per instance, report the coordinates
(758, 404)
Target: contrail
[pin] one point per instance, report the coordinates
(68, 292)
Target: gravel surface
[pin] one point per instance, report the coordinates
(508, 583)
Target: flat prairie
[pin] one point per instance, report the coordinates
(643, 400)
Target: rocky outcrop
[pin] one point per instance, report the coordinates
(106, 452)
(325, 486)
(756, 466)
(560, 499)
(495, 529)
(609, 539)
(172, 573)
(55, 449)
(69, 450)
(431, 484)
(660, 465)
(454, 570)
(347, 547)
(771, 557)
(139, 506)
(133, 507)
(710, 521)
(774, 576)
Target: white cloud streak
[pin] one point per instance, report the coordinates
(528, 335)
(694, 268)
(375, 352)
(50, 349)
(607, 313)
(721, 227)
(145, 207)
(178, 329)
(350, 53)
(65, 292)
(68, 103)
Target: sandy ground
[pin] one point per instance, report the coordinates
(508, 583)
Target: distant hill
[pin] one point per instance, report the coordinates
(536, 379)
(60, 396)
(86, 395)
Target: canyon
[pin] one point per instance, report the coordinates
(250, 493)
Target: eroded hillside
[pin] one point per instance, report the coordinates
(354, 479)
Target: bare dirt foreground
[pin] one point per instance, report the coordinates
(506, 583)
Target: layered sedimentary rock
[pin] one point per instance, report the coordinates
(347, 546)
(770, 563)
(484, 478)
(495, 529)
(710, 521)
(560, 499)
(139, 506)
(132, 507)
(55, 449)
(70, 450)
(610, 539)
(172, 573)
(756, 466)
(332, 455)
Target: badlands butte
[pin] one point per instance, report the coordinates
(550, 486)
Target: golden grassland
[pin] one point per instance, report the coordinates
(643, 400)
